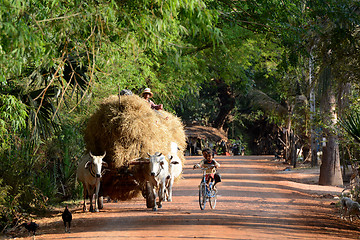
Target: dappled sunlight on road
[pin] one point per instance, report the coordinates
(256, 200)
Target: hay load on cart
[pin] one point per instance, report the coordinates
(128, 129)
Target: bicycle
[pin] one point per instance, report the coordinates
(207, 192)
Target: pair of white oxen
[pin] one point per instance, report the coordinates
(162, 176)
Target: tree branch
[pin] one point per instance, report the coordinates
(58, 18)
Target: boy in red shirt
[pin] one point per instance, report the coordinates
(211, 173)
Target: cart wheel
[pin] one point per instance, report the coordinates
(101, 202)
(150, 198)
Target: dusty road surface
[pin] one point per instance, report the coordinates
(257, 200)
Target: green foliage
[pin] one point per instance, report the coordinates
(4, 210)
(351, 124)
(244, 60)
(120, 42)
(16, 166)
(53, 53)
(58, 59)
(13, 115)
(34, 177)
(55, 175)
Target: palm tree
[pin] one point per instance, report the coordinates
(351, 125)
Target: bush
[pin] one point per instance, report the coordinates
(56, 172)
(21, 197)
(33, 176)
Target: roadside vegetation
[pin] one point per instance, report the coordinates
(277, 75)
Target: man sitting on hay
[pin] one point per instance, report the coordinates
(147, 94)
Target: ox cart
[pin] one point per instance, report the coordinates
(130, 132)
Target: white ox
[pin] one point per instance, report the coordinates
(175, 170)
(159, 172)
(89, 174)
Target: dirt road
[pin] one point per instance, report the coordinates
(257, 201)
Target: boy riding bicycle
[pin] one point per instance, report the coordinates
(208, 161)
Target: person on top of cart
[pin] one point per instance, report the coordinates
(211, 173)
(147, 94)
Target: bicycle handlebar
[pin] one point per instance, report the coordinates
(207, 167)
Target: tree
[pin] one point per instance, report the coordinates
(330, 172)
(335, 43)
(333, 25)
(59, 58)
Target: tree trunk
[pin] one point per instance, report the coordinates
(330, 171)
(314, 158)
(293, 151)
(287, 153)
(227, 103)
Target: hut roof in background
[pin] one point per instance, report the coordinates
(202, 132)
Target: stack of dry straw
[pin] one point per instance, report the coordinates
(127, 128)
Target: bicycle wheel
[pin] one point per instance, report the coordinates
(212, 199)
(202, 195)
